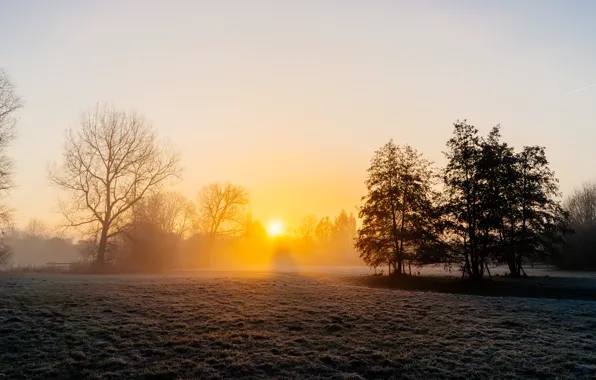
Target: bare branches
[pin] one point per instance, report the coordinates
(5, 254)
(10, 103)
(222, 209)
(169, 212)
(109, 164)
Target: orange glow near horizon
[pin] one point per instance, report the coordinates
(275, 228)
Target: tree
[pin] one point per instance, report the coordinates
(397, 208)
(222, 209)
(543, 219)
(496, 181)
(36, 229)
(344, 225)
(151, 239)
(323, 231)
(581, 205)
(111, 162)
(521, 218)
(462, 180)
(10, 103)
(501, 206)
(6, 252)
(580, 253)
(343, 231)
(170, 212)
(307, 229)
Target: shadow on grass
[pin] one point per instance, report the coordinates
(528, 287)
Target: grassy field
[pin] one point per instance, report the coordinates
(232, 325)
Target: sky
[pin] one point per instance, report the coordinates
(291, 98)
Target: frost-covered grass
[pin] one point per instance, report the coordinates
(281, 326)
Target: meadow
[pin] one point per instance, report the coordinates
(217, 325)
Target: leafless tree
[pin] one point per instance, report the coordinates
(169, 212)
(5, 254)
(308, 228)
(111, 162)
(581, 205)
(222, 209)
(10, 103)
(36, 228)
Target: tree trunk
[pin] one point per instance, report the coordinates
(522, 246)
(488, 270)
(475, 273)
(101, 249)
(518, 266)
(396, 240)
(521, 270)
(467, 266)
(402, 229)
(511, 263)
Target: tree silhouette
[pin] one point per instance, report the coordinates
(307, 230)
(397, 210)
(170, 212)
(581, 252)
(462, 179)
(324, 231)
(222, 209)
(10, 103)
(152, 239)
(36, 229)
(343, 232)
(543, 219)
(501, 206)
(109, 164)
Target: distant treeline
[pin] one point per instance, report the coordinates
(169, 232)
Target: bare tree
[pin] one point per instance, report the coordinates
(581, 205)
(222, 209)
(308, 228)
(111, 162)
(170, 212)
(10, 103)
(37, 229)
(580, 249)
(5, 253)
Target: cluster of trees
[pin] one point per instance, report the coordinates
(490, 205)
(327, 241)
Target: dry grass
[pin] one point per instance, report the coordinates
(281, 326)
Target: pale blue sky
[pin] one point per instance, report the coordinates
(290, 98)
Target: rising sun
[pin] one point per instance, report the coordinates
(275, 228)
